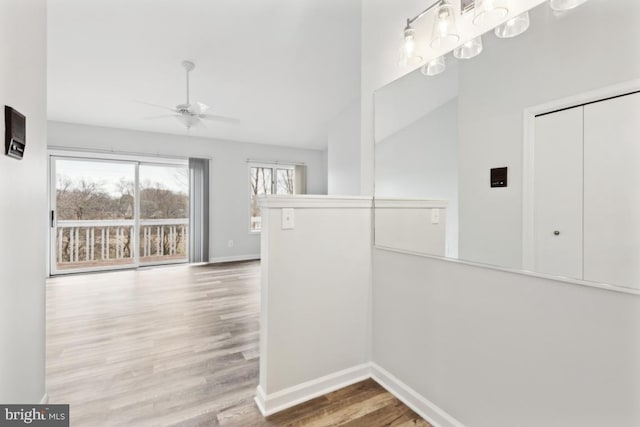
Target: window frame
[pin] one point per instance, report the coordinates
(274, 176)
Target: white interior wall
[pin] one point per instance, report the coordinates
(343, 152)
(592, 47)
(314, 297)
(511, 364)
(23, 206)
(421, 160)
(229, 175)
(406, 100)
(498, 349)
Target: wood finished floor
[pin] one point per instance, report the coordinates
(178, 346)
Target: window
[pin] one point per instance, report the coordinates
(266, 180)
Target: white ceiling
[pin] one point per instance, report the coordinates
(283, 67)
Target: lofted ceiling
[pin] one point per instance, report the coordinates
(284, 68)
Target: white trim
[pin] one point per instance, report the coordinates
(528, 141)
(89, 154)
(45, 399)
(234, 258)
(269, 404)
(423, 407)
(271, 163)
(292, 396)
(316, 202)
(260, 398)
(604, 286)
(409, 203)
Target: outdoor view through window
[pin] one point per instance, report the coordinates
(103, 220)
(268, 180)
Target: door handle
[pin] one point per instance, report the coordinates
(53, 219)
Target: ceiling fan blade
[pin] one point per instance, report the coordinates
(217, 118)
(199, 108)
(156, 105)
(160, 116)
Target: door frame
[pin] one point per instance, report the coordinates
(88, 156)
(528, 150)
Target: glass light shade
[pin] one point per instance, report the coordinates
(409, 41)
(409, 57)
(469, 49)
(488, 13)
(562, 5)
(434, 67)
(445, 32)
(513, 27)
(188, 120)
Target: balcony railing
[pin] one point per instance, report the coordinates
(109, 243)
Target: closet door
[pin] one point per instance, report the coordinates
(558, 194)
(612, 191)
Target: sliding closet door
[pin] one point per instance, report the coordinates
(612, 182)
(558, 193)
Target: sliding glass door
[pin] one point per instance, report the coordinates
(164, 213)
(109, 214)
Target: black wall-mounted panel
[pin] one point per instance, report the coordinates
(15, 133)
(499, 177)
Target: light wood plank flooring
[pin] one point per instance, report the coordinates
(178, 346)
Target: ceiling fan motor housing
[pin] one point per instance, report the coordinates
(184, 109)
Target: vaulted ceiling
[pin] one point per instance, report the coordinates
(284, 68)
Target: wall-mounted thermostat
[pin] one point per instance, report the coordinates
(499, 177)
(15, 133)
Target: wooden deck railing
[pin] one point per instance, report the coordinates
(82, 244)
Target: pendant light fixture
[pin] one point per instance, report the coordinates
(445, 32)
(564, 5)
(409, 46)
(513, 27)
(488, 13)
(469, 49)
(434, 67)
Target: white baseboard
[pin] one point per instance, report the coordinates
(283, 399)
(411, 398)
(234, 258)
(45, 399)
(260, 399)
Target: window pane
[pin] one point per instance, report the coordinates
(285, 181)
(164, 192)
(260, 185)
(164, 213)
(95, 210)
(94, 190)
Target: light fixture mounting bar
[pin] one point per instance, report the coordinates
(467, 6)
(421, 14)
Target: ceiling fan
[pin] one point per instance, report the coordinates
(188, 114)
